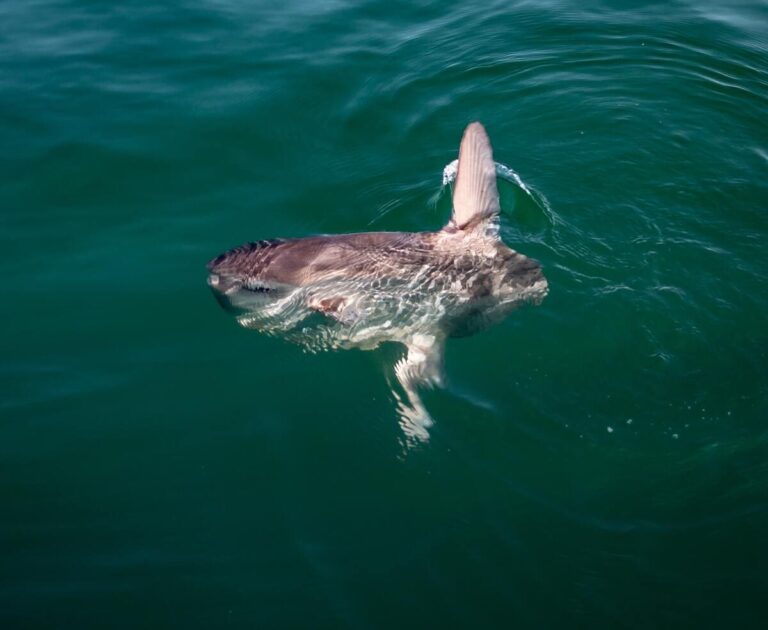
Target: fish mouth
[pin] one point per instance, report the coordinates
(222, 284)
(239, 295)
(225, 290)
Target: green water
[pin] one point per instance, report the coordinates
(598, 461)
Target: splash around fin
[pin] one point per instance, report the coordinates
(475, 195)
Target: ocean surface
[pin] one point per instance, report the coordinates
(600, 460)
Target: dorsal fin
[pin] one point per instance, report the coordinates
(475, 196)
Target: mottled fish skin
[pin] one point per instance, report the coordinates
(303, 261)
(447, 262)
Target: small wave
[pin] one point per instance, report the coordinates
(506, 173)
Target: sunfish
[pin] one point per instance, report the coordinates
(415, 288)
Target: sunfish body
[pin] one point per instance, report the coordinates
(416, 288)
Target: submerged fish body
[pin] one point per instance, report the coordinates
(360, 290)
(396, 284)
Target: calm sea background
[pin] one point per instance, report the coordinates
(598, 461)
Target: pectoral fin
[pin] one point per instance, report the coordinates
(337, 307)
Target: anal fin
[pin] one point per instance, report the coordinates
(421, 367)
